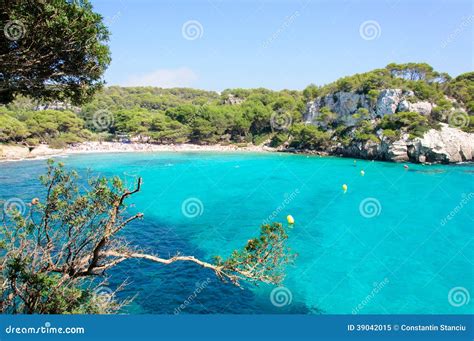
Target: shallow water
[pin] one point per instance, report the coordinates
(397, 242)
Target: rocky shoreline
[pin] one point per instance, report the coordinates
(447, 145)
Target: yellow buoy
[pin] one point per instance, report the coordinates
(290, 219)
(362, 173)
(344, 188)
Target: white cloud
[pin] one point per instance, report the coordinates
(164, 78)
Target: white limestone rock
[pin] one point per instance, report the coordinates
(404, 105)
(447, 145)
(387, 102)
(398, 151)
(344, 104)
(422, 107)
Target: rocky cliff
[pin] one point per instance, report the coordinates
(445, 145)
(388, 101)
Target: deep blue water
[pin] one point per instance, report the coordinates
(402, 257)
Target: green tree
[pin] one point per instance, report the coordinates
(202, 131)
(309, 137)
(50, 259)
(425, 91)
(259, 114)
(411, 122)
(51, 50)
(372, 82)
(240, 125)
(345, 84)
(52, 123)
(135, 121)
(462, 89)
(361, 114)
(373, 96)
(166, 130)
(11, 129)
(183, 113)
(311, 92)
(365, 131)
(326, 117)
(278, 139)
(412, 71)
(442, 109)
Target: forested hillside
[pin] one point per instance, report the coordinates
(241, 115)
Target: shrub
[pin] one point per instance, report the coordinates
(11, 129)
(391, 134)
(259, 139)
(309, 137)
(412, 122)
(278, 139)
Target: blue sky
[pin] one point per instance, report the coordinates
(219, 44)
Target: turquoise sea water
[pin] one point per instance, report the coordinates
(397, 242)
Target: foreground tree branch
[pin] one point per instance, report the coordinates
(69, 238)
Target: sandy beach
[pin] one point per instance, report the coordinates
(18, 152)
